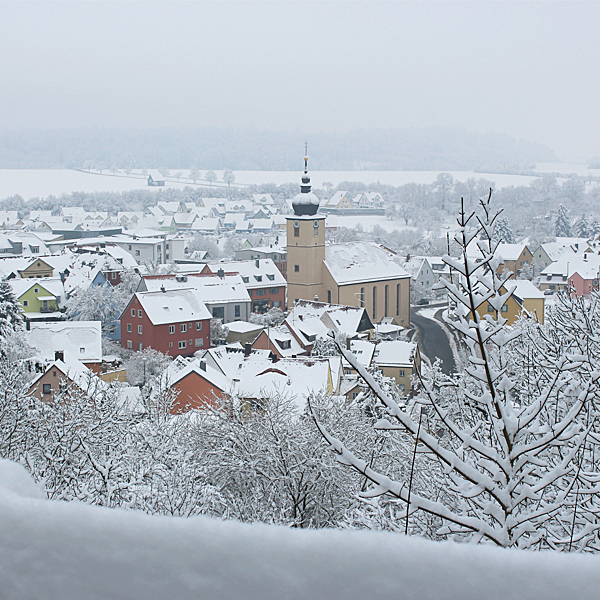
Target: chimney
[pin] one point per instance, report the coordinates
(274, 358)
(348, 342)
(162, 289)
(316, 299)
(247, 349)
(59, 355)
(202, 365)
(221, 273)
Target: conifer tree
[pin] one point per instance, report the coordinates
(11, 319)
(562, 225)
(582, 227)
(502, 232)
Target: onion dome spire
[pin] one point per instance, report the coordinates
(306, 202)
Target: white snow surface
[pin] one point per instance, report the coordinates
(71, 551)
(42, 183)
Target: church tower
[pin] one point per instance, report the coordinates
(305, 244)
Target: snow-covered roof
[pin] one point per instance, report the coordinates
(359, 262)
(363, 350)
(320, 317)
(524, 289)
(395, 353)
(173, 306)
(510, 252)
(243, 327)
(211, 288)
(81, 340)
(567, 264)
(263, 275)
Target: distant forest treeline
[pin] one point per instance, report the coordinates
(433, 148)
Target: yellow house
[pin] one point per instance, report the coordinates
(37, 269)
(526, 299)
(38, 298)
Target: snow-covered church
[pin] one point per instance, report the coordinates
(355, 274)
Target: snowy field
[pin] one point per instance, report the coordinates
(52, 550)
(566, 169)
(43, 183)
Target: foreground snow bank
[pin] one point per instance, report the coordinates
(73, 551)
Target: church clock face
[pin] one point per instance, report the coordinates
(296, 224)
(316, 224)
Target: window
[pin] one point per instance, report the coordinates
(297, 268)
(129, 345)
(81, 350)
(183, 327)
(199, 326)
(490, 308)
(386, 291)
(53, 373)
(199, 342)
(296, 231)
(140, 329)
(505, 308)
(113, 275)
(270, 277)
(285, 344)
(361, 299)
(374, 302)
(329, 296)
(170, 344)
(219, 312)
(140, 346)
(129, 328)
(128, 246)
(137, 252)
(274, 290)
(182, 344)
(250, 292)
(245, 279)
(236, 310)
(258, 277)
(262, 292)
(139, 314)
(277, 303)
(397, 299)
(25, 302)
(190, 343)
(402, 373)
(167, 246)
(171, 329)
(133, 312)
(36, 290)
(46, 388)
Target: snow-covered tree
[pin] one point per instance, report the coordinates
(595, 227)
(218, 332)
(503, 232)
(582, 228)
(96, 303)
(562, 224)
(274, 316)
(11, 318)
(210, 176)
(504, 440)
(144, 367)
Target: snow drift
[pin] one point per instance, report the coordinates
(73, 551)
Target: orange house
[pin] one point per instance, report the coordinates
(197, 387)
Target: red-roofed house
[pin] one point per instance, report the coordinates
(174, 322)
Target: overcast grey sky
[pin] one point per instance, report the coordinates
(527, 69)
